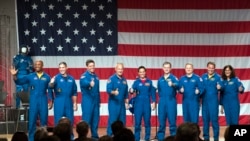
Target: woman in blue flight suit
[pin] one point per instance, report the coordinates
(144, 92)
(229, 99)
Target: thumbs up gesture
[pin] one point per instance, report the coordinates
(92, 82)
(182, 89)
(170, 84)
(116, 92)
(218, 86)
(240, 88)
(197, 91)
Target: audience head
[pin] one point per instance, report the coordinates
(169, 138)
(50, 138)
(117, 126)
(82, 129)
(105, 138)
(19, 136)
(63, 131)
(64, 120)
(187, 132)
(124, 135)
(226, 134)
(40, 134)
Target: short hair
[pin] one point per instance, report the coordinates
(169, 138)
(189, 64)
(141, 67)
(89, 61)
(232, 75)
(167, 63)
(124, 135)
(82, 129)
(119, 64)
(211, 63)
(40, 133)
(63, 63)
(117, 126)
(187, 132)
(39, 61)
(19, 136)
(105, 138)
(63, 131)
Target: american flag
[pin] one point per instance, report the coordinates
(138, 32)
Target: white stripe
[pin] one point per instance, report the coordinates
(104, 110)
(183, 38)
(183, 15)
(246, 84)
(148, 62)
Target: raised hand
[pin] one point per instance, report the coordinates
(13, 71)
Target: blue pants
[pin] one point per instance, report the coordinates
(91, 114)
(116, 112)
(191, 111)
(167, 110)
(20, 88)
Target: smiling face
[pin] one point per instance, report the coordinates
(210, 69)
(91, 67)
(228, 72)
(63, 69)
(189, 69)
(119, 69)
(166, 68)
(142, 73)
(38, 66)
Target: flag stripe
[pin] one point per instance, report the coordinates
(184, 50)
(183, 38)
(184, 4)
(183, 15)
(148, 62)
(184, 27)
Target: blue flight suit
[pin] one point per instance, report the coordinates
(24, 64)
(230, 100)
(145, 92)
(210, 104)
(167, 108)
(90, 101)
(190, 100)
(64, 89)
(116, 105)
(38, 103)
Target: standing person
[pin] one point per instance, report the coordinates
(65, 94)
(89, 83)
(38, 83)
(232, 86)
(143, 91)
(117, 89)
(210, 101)
(167, 87)
(24, 64)
(191, 88)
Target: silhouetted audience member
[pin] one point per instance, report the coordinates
(19, 136)
(105, 138)
(199, 132)
(50, 138)
(187, 132)
(3, 139)
(82, 129)
(64, 120)
(116, 126)
(226, 134)
(40, 134)
(63, 131)
(124, 135)
(169, 138)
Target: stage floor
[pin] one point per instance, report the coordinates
(102, 131)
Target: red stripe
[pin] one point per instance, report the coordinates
(244, 98)
(184, 4)
(244, 119)
(184, 50)
(184, 27)
(153, 74)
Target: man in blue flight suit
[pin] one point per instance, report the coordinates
(89, 83)
(65, 94)
(143, 91)
(38, 83)
(117, 89)
(210, 101)
(191, 87)
(24, 64)
(167, 87)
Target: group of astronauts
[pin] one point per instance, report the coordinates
(60, 92)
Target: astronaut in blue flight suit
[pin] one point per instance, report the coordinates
(89, 83)
(65, 94)
(24, 64)
(229, 99)
(190, 85)
(210, 101)
(117, 89)
(167, 87)
(144, 92)
(38, 83)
